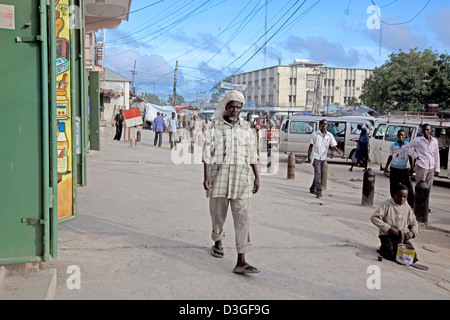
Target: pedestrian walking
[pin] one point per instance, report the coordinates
(206, 125)
(396, 222)
(321, 141)
(119, 119)
(361, 156)
(229, 157)
(250, 120)
(172, 125)
(102, 112)
(158, 127)
(425, 150)
(397, 166)
(337, 135)
(257, 139)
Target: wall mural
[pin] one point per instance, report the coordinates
(63, 111)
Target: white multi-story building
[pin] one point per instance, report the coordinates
(300, 86)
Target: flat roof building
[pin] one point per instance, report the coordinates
(300, 86)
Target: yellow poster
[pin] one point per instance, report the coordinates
(63, 111)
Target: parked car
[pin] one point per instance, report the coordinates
(295, 133)
(386, 130)
(263, 122)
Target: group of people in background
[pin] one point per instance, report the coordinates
(161, 124)
(395, 218)
(232, 184)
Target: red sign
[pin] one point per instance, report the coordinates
(132, 113)
(273, 135)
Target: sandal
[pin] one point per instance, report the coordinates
(218, 253)
(245, 269)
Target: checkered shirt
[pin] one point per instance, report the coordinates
(230, 150)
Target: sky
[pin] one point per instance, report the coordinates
(213, 39)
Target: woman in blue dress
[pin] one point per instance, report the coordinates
(361, 156)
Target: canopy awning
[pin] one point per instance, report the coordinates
(105, 14)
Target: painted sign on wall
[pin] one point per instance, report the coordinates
(63, 111)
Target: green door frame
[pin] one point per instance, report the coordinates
(34, 29)
(53, 129)
(94, 110)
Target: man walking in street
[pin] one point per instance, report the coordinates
(158, 127)
(172, 125)
(425, 150)
(229, 157)
(398, 171)
(321, 141)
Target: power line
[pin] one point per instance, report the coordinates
(240, 28)
(156, 20)
(262, 36)
(394, 24)
(166, 29)
(301, 16)
(271, 36)
(189, 51)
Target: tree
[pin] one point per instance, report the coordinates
(152, 98)
(178, 99)
(409, 82)
(352, 101)
(217, 91)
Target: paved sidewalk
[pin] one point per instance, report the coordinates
(143, 232)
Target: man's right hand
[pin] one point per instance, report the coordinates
(393, 231)
(207, 184)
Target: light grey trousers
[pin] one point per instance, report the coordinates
(426, 175)
(317, 181)
(240, 209)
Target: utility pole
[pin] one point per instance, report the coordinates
(318, 97)
(174, 85)
(265, 38)
(103, 49)
(132, 81)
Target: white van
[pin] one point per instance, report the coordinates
(385, 134)
(295, 133)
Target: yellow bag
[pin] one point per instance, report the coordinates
(405, 254)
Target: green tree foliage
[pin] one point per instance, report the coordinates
(178, 99)
(352, 101)
(409, 82)
(152, 98)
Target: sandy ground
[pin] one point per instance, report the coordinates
(143, 232)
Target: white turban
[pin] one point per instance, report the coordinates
(232, 95)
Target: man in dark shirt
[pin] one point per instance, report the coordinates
(119, 122)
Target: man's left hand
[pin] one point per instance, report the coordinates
(255, 186)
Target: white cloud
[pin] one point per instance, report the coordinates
(439, 23)
(153, 73)
(395, 36)
(319, 49)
